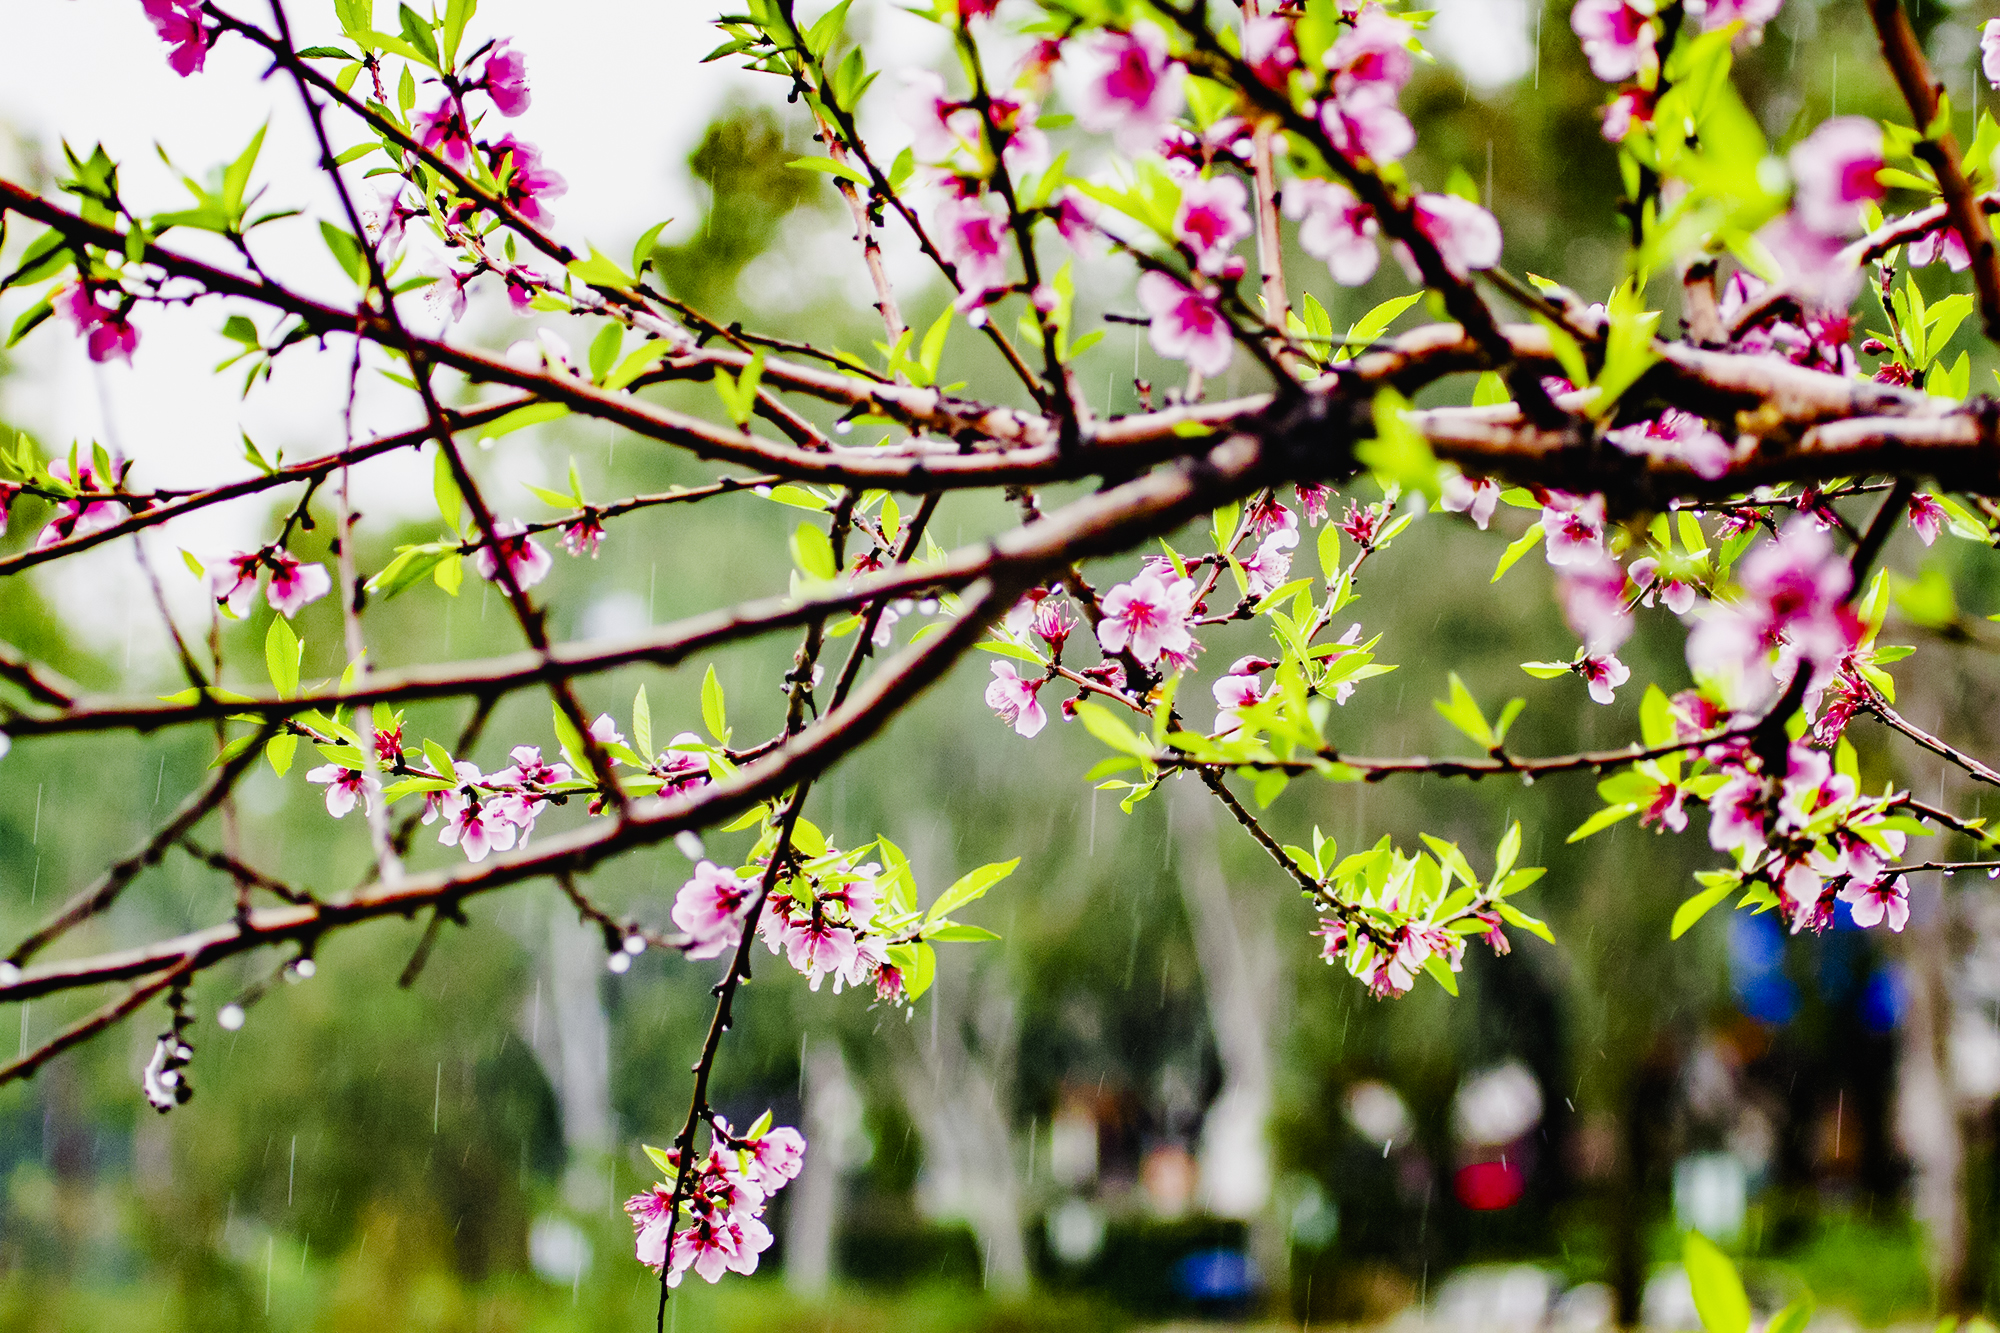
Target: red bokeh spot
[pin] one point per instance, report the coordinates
(1488, 1186)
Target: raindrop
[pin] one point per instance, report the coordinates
(977, 319)
(1994, 873)
(690, 844)
(9, 974)
(1527, 779)
(230, 1017)
(619, 962)
(635, 944)
(304, 969)
(842, 426)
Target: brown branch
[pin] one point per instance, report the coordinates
(1922, 92)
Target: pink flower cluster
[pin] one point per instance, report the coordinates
(725, 1205)
(1793, 606)
(78, 518)
(293, 584)
(823, 924)
(179, 24)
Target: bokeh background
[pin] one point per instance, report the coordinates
(1150, 1102)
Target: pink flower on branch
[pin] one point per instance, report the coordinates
(178, 22)
(1336, 228)
(1873, 902)
(1574, 528)
(294, 584)
(527, 563)
(1476, 497)
(529, 184)
(710, 908)
(77, 518)
(1132, 88)
(1603, 673)
(1466, 236)
(1149, 615)
(1212, 218)
(1836, 169)
(972, 233)
(1013, 698)
(1927, 517)
(345, 787)
(505, 78)
(1187, 325)
(442, 129)
(107, 332)
(1617, 37)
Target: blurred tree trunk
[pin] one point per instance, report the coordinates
(1927, 1122)
(832, 1114)
(1240, 969)
(570, 1034)
(956, 1080)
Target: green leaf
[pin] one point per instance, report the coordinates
(1372, 325)
(1718, 1292)
(418, 34)
(1099, 722)
(280, 751)
(1462, 711)
(1794, 1317)
(357, 17)
(812, 551)
(845, 170)
(282, 652)
(1602, 820)
(32, 317)
(1519, 547)
(917, 977)
(412, 564)
(661, 1160)
(1441, 973)
(1695, 908)
(534, 414)
(1547, 670)
(444, 485)
(604, 349)
(346, 250)
(642, 252)
(600, 270)
(956, 934)
(713, 714)
(642, 724)
(968, 888)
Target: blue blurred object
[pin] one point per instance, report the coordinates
(1756, 959)
(1215, 1275)
(1883, 1000)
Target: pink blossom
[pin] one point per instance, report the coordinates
(1267, 513)
(1013, 698)
(294, 584)
(233, 583)
(1835, 168)
(1236, 691)
(709, 908)
(1132, 89)
(506, 78)
(1467, 237)
(1361, 523)
(583, 536)
(1752, 14)
(816, 947)
(1603, 673)
(529, 183)
(107, 333)
(1271, 564)
(1270, 48)
(529, 768)
(969, 10)
(1926, 516)
(1366, 122)
(474, 827)
(972, 234)
(1812, 263)
(1574, 528)
(179, 24)
(1186, 324)
(1989, 51)
(1076, 223)
(939, 125)
(1736, 813)
(1679, 436)
(1335, 227)
(654, 1224)
(1875, 901)
(442, 130)
(1631, 107)
(1945, 243)
(1150, 615)
(1666, 809)
(774, 1158)
(344, 787)
(1476, 496)
(712, 1247)
(1212, 219)
(604, 730)
(1375, 51)
(1617, 38)
(527, 563)
(77, 518)
(1678, 594)
(1312, 499)
(1593, 600)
